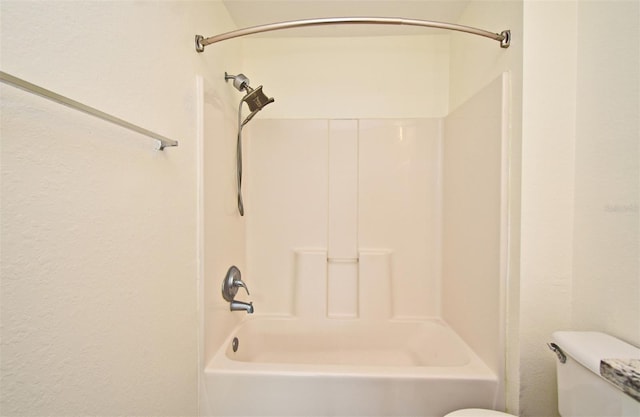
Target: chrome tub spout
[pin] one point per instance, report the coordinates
(240, 306)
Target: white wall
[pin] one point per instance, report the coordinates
(99, 229)
(549, 70)
(606, 282)
(580, 182)
(353, 78)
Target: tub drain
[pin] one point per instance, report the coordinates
(234, 344)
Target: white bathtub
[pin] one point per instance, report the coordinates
(291, 367)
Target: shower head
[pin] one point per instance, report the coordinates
(255, 98)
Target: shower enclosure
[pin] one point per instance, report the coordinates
(374, 243)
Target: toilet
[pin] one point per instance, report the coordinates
(582, 391)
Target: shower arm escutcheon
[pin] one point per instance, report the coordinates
(503, 37)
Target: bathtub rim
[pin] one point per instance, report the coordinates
(474, 369)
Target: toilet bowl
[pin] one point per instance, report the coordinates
(478, 412)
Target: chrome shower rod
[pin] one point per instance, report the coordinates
(48, 94)
(503, 37)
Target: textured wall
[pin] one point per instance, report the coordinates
(580, 183)
(99, 229)
(547, 196)
(354, 78)
(606, 284)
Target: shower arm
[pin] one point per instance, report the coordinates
(503, 37)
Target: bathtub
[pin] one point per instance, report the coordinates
(294, 367)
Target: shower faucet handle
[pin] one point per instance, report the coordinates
(232, 281)
(240, 283)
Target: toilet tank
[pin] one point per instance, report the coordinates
(582, 391)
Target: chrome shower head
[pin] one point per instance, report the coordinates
(255, 98)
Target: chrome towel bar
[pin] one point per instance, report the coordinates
(503, 37)
(48, 94)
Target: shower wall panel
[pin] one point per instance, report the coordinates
(286, 194)
(365, 195)
(474, 221)
(342, 278)
(399, 207)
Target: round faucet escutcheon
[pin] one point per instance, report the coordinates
(232, 281)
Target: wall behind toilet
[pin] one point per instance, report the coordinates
(606, 261)
(579, 183)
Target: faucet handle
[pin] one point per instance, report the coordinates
(232, 281)
(240, 283)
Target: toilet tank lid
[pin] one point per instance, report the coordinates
(589, 348)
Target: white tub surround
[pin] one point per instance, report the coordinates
(367, 233)
(348, 225)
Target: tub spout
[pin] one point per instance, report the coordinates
(240, 306)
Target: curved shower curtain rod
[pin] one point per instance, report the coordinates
(503, 37)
